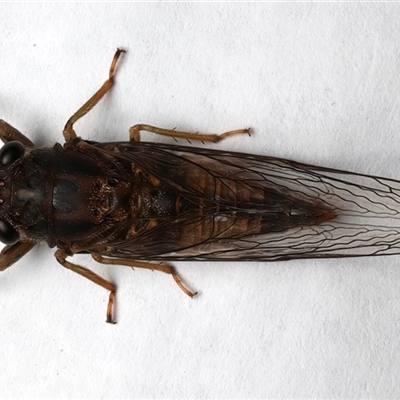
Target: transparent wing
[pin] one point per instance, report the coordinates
(362, 213)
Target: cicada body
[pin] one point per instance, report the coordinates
(149, 201)
(136, 204)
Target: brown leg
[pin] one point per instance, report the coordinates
(9, 133)
(134, 133)
(168, 269)
(11, 254)
(87, 273)
(69, 132)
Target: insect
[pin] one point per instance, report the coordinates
(144, 204)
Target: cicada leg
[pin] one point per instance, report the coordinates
(8, 133)
(87, 273)
(12, 253)
(134, 133)
(168, 269)
(68, 131)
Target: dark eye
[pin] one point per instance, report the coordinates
(8, 235)
(11, 152)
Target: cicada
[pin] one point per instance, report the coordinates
(144, 204)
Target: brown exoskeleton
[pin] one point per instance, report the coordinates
(136, 204)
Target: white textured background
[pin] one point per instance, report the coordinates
(319, 83)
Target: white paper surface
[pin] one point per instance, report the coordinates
(318, 83)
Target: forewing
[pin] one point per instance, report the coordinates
(367, 208)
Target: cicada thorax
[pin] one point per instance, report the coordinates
(62, 195)
(94, 197)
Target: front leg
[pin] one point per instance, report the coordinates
(10, 254)
(8, 133)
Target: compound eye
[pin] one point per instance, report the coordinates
(8, 235)
(11, 152)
